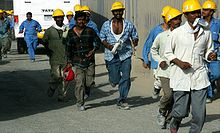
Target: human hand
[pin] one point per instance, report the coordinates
(110, 47)
(68, 65)
(147, 66)
(212, 56)
(90, 53)
(163, 65)
(184, 65)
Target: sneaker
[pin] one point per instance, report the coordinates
(122, 105)
(33, 60)
(156, 93)
(86, 96)
(81, 108)
(168, 125)
(208, 100)
(93, 85)
(174, 125)
(4, 56)
(161, 120)
(113, 85)
(50, 92)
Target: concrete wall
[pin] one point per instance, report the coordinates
(143, 13)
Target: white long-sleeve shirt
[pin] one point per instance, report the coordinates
(184, 47)
(157, 52)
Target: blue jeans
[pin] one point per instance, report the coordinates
(214, 74)
(119, 73)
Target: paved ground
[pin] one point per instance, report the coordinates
(25, 107)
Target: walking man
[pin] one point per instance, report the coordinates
(69, 16)
(56, 52)
(190, 44)
(30, 35)
(208, 9)
(4, 32)
(152, 64)
(89, 22)
(82, 42)
(115, 35)
(173, 19)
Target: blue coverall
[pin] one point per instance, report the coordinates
(30, 35)
(149, 42)
(214, 66)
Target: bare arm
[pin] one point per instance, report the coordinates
(107, 45)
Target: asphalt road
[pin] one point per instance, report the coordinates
(25, 107)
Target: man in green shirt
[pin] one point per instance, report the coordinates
(56, 51)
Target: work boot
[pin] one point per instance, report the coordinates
(113, 85)
(80, 107)
(208, 100)
(156, 93)
(32, 60)
(4, 56)
(86, 96)
(174, 125)
(50, 92)
(123, 105)
(161, 119)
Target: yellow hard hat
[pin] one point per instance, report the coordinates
(40, 35)
(117, 5)
(12, 11)
(209, 4)
(165, 10)
(8, 12)
(58, 12)
(77, 8)
(1, 11)
(85, 8)
(172, 13)
(69, 13)
(191, 5)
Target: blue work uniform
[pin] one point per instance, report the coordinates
(30, 35)
(12, 23)
(214, 66)
(147, 46)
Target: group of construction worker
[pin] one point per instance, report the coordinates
(184, 58)
(185, 61)
(74, 45)
(6, 32)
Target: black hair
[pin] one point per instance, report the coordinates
(79, 14)
(28, 13)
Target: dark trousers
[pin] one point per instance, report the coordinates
(197, 99)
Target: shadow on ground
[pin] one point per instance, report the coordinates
(134, 102)
(23, 93)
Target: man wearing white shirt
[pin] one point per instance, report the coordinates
(173, 19)
(188, 47)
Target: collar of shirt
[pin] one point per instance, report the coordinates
(129, 32)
